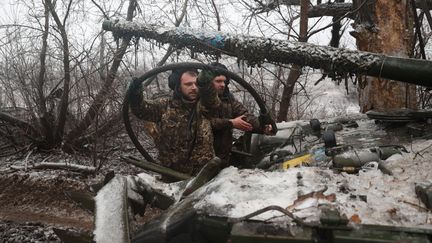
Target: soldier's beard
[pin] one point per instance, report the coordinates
(190, 96)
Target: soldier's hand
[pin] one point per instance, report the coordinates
(205, 77)
(135, 86)
(241, 124)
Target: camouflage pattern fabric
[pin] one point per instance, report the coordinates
(221, 109)
(183, 127)
(229, 108)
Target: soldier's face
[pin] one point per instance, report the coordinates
(219, 83)
(188, 85)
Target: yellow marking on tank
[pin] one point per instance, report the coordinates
(305, 159)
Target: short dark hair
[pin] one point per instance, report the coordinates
(220, 66)
(174, 78)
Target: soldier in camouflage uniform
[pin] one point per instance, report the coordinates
(228, 115)
(185, 143)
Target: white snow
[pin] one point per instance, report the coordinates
(390, 200)
(235, 193)
(172, 189)
(110, 221)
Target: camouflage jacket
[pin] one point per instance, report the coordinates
(185, 140)
(228, 108)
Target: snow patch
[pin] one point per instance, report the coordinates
(110, 221)
(375, 197)
(170, 189)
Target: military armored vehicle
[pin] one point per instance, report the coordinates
(321, 202)
(352, 187)
(320, 198)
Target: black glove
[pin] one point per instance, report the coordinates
(205, 77)
(134, 91)
(135, 86)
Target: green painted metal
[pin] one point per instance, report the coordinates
(336, 62)
(376, 236)
(212, 229)
(259, 232)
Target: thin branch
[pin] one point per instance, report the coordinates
(216, 15)
(18, 123)
(338, 20)
(67, 12)
(101, 9)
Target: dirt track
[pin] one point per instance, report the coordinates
(32, 204)
(27, 198)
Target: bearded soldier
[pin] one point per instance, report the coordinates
(228, 114)
(185, 141)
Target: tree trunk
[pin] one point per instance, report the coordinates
(46, 118)
(64, 102)
(287, 92)
(275, 89)
(385, 26)
(336, 35)
(295, 71)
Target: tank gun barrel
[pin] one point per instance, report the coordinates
(336, 62)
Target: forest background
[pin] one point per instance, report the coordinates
(62, 78)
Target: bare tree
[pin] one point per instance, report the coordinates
(40, 94)
(63, 102)
(105, 90)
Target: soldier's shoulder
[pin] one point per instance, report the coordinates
(161, 101)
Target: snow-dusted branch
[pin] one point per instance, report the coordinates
(58, 166)
(332, 9)
(18, 123)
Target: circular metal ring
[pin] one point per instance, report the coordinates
(148, 77)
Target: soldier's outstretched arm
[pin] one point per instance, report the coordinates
(220, 123)
(149, 110)
(240, 110)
